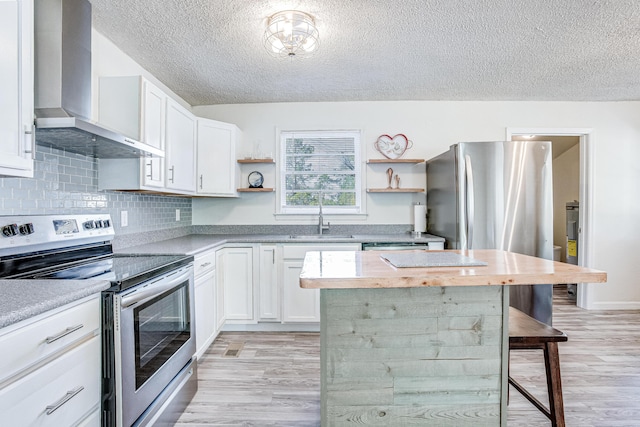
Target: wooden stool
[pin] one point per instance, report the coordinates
(527, 333)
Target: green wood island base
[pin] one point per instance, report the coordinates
(413, 356)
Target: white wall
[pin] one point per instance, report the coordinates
(108, 60)
(434, 126)
(566, 188)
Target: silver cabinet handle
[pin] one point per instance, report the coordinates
(30, 134)
(150, 164)
(205, 264)
(201, 182)
(171, 169)
(64, 333)
(67, 397)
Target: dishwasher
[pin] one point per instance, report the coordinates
(396, 246)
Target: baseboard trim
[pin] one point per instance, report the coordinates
(614, 305)
(273, 327)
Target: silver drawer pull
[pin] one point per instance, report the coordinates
(67, 397)
(205, 264)
(64, 333)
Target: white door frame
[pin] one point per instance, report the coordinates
(587, 200)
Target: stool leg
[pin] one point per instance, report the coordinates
(554, 384)
(508, 373)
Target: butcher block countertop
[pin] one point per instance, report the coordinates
(351, 270)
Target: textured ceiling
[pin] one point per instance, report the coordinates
(211, 52)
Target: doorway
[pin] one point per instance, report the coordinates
(572, 181)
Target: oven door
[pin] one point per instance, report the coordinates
(154, 339)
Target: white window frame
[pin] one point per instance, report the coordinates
(313, 210)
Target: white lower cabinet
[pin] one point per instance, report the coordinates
(298, 304)
(53, 378)
(269, 305)
(205, 300)
(220, 314)
(238, 284)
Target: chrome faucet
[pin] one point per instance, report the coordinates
(321, 226)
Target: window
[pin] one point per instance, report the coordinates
(320, 164)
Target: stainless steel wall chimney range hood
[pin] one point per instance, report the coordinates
(63, 85)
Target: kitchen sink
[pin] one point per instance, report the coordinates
(320, 236)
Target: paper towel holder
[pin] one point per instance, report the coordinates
(419, 220)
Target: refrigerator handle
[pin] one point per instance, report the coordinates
(470, 201)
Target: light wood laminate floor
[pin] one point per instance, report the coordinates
(275, 380)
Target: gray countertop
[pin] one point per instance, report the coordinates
(22, 299)
(194, 243)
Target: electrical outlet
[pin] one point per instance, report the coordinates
(124, 218)
(177, 214)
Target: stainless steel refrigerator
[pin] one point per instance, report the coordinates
(496, 195)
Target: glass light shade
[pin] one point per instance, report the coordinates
(291, 33)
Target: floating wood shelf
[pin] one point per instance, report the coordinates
(256, 161)
(255, 190)
(372, 161)
(395, 190)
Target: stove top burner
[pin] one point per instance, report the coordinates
(121, 270)
(74, 247)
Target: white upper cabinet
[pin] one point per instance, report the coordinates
(180, 149)
(16, 88)
(217, 169)
(135, 107)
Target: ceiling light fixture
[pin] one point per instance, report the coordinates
(291, 33)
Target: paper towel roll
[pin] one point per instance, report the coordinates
(419, 217)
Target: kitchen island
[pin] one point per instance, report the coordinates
(420, 345)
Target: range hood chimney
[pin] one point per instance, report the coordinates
(63, 85)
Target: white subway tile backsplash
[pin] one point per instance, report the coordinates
(68, 183)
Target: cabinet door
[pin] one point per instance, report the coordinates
(204, 296)
(299, 305)
(16, 88)
(238, 283)
(217, 166)
(268, 286)
(60, 393)
(180, 154)
(153, 130)
(154, 102)
(220, 310)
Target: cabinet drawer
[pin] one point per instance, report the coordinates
(67, 389)
(203, 263)
(33, 343)
(299, 251)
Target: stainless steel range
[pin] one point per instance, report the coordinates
(149, 369)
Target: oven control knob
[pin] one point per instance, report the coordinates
(106, 223)
(98, 223)
(10, 230)
(26, 229)
(89, 225)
